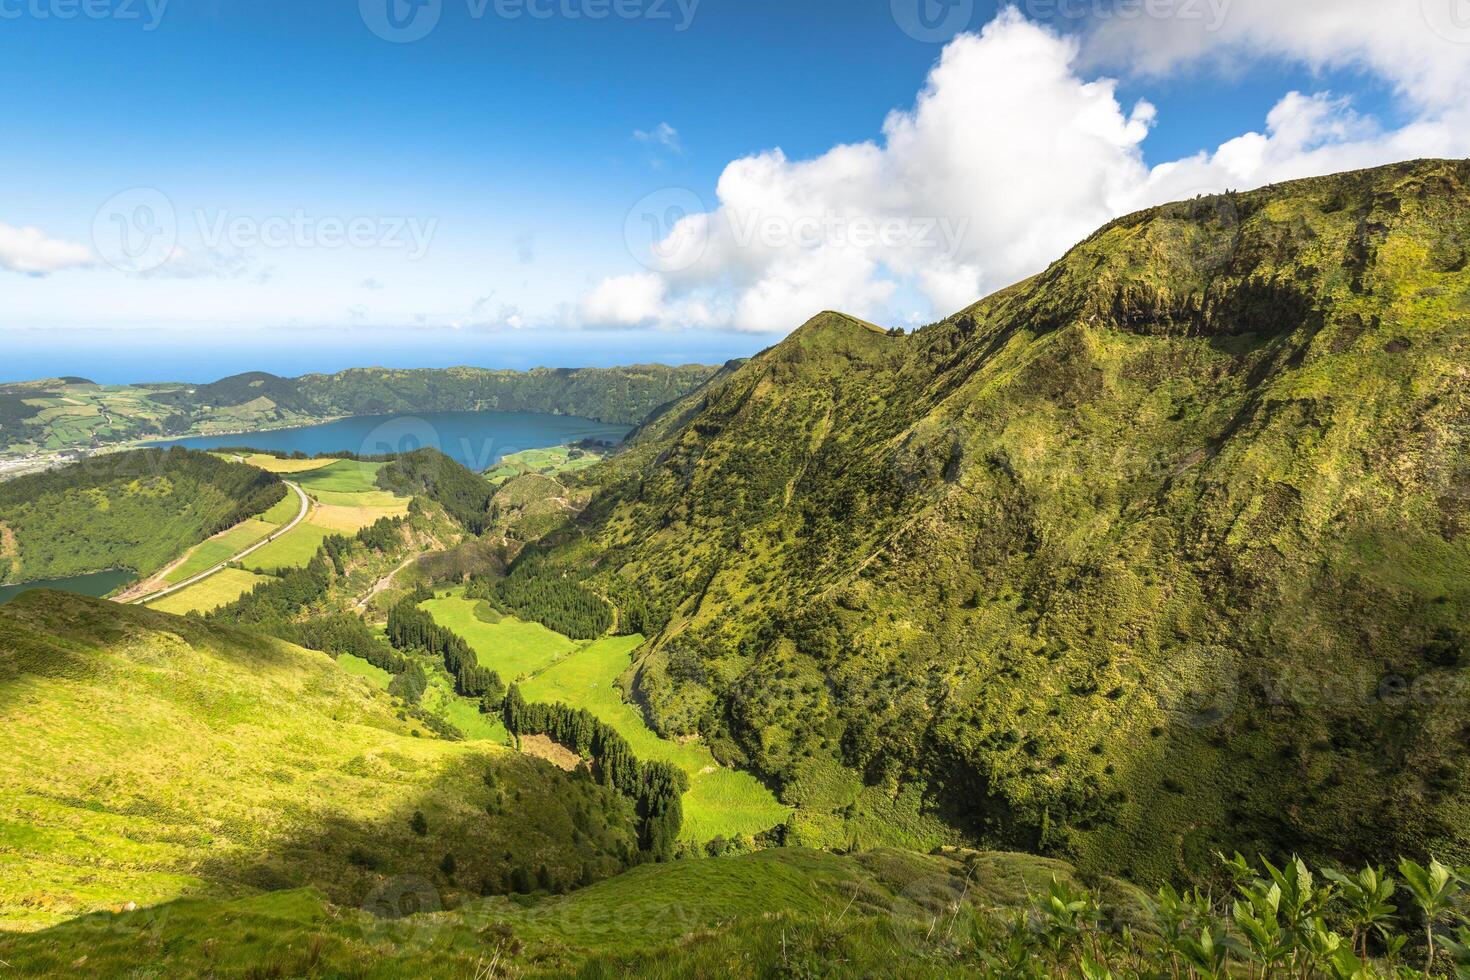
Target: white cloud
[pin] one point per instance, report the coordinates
(1009, 156)
(31, 252)
(1005, 158)
(1420, 46)
(624, 301)
(662, 135)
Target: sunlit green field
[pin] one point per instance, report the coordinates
(288, 466)
(512, 647)
(144, 757)
(219, 589)
(358, 667)
(720, 802)
(547, 462)
(341, 476)
(294, 549)
(367, 498)
(284, 511)
(223, 548)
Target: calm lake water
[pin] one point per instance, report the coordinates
(98, 584)
(479, 440)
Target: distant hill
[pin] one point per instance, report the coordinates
(1162, 551)
(136, 510)
(145, 757)
(72, 413)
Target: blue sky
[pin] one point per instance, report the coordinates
(492, 164)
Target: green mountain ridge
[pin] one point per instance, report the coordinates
(1160, 551)
(71, 413)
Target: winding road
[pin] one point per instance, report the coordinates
(305, 509)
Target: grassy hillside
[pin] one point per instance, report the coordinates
(552, 669)
(145, 757)
(73, 413)
(1160, 551)
(138, 510)
(786, 912)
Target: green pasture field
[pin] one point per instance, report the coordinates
(341, 476)
(721, 802)
(219, 589)
(511, 647)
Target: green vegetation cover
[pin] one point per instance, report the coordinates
(72, 413)
(145, 757)
(1161, 551)
(136, 510)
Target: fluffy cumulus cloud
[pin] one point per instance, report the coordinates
(1421, 46)
(624, 301)
(1016, 149)
(32, 252)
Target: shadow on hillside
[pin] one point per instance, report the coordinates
(57, 634)
(527, 827)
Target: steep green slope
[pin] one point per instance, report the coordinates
(145, 757)
(773, 913)
(136, 510)
(1159, 551)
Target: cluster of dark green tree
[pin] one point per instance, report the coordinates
(656, 788)
(412, 629)
(276, 607)
(557, 603)
(1270, 922)
(429, 473)
(135, 510)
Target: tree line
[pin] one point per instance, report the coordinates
(463, 494)
(656, 788)
(556, 603)
(135, 510)
(275, 607)
(412, 629)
